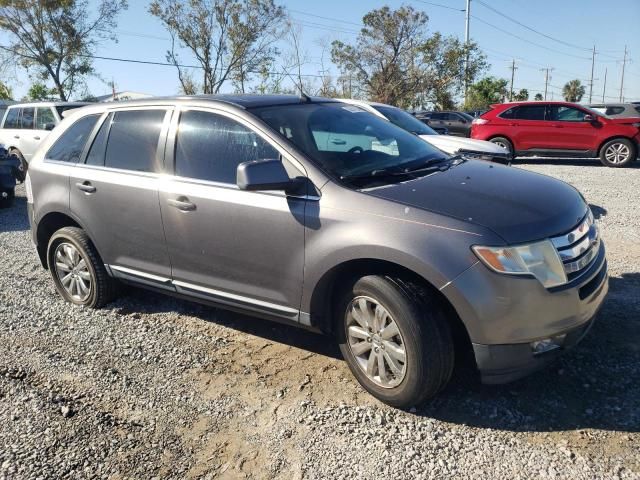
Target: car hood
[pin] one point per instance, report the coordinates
(517, 205)
(451, 144)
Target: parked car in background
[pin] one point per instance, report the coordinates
(457, 123)
(477, 149)
(4, 104)
(319, 214)
(25, 125)
(560, 129)
(440, 130)
(617, 109)
(9, 174)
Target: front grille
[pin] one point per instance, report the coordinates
(578, 248)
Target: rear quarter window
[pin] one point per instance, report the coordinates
(69, 146)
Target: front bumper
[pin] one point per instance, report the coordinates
(505, 314)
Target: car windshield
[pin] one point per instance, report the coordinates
(347, 141)
(405, 120)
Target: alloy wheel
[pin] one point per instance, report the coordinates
(72, 271)
(375, 341)
(617, 153)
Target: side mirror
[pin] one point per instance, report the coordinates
(50, 126)
(267, 174)
(590, 118)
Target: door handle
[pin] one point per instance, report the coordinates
(86, 187)
(182, 203)
(16, 136)
(36, 138)
(556, 125)
(338, 142)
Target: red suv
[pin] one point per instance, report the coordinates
(559, 129)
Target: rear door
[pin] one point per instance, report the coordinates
(10, 133)
(568, 129)
(29, 136)
(525, 125)
(115, 193)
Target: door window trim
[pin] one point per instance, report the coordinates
(170, 149)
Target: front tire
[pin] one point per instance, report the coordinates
(618, 152)
(77, 270)
(396, 340)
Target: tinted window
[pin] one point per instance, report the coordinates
(28, 118)
(439, 116)
(210, 147)
(614, 110)
(13, 118)
(96, 152)
(525, 112)
(561, 113)
(133, 140)
(45, 117)
(405, 120)
(69, 146)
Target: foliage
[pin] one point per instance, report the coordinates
(230, 39)
(5, 91)
(395, 61)
(485, 92)
(538, 97)
(521, 96)
(56, 38)
(39, 91)
(573, 91)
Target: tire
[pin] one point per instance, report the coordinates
(618, 152)
(20, 172)
(503, 142)
(423, 335)
(6, 202)
(88, 267)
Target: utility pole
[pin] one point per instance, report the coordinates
(546, 79)
(593, 62)
(466, 44)
(513, 70)
(624, 61)
(604, 88)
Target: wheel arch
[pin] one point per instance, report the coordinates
(47, 226)
(615, 137)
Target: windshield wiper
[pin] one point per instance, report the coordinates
(433, 164)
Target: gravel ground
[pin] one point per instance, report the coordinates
(156, 387)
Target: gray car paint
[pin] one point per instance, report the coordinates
(268, 253)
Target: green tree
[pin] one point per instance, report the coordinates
(230, 39)
(56, 38)
(521, 96)
(394, 60)
(485, 92)
(573, 91)
(538, 97)
(5, 91)
(39, 91)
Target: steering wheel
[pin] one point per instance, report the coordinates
(356, 149)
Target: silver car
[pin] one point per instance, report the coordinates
(318, 214)
(617, 110)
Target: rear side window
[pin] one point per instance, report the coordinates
(133, 140)
(68, 148)
(13, 118)
(45, 117)
(525, 112)
(28, 118)
(210, 147)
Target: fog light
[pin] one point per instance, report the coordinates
(547, 344)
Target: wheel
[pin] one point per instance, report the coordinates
(395, 339)
(618, 152)
(503, 142)
(77, 270)
(6, 198)
(21, 171)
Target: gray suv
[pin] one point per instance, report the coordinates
(318, 214)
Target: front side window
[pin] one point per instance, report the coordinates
(133, 140)
(28, 118)
(68, 148)
(13, 118)
(347, 141)
(44, 118)
(210, 147)
(560, 113)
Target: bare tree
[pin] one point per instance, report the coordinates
(57, 38)
(230, 39)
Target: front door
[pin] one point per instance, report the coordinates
(115, 193)
(568, 129)
(238, 248)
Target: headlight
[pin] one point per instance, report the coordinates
(539, 259)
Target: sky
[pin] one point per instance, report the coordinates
(574, 26)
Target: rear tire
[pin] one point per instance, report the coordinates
(21, 171)
(77, 270)
(504, 142)
(368, 314)
(618, 152)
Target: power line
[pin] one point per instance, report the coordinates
(300, 12)
(448, 7)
